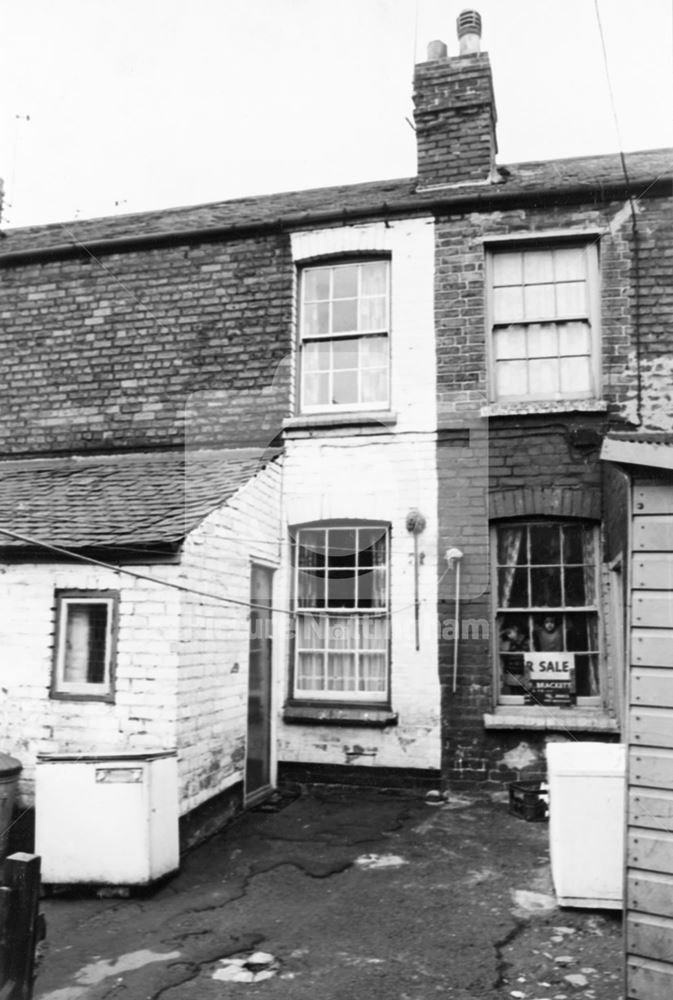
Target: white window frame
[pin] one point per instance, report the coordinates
(584, 701)
(305, 694)
(331, 336)
(590, 315)
(84, 690)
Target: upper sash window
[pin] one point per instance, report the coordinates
(344, 333)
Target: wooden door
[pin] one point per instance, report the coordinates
(258, 754)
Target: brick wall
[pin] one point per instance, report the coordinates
(119, 351)
(529, 459)
(653, 309)
(454, 111)
(460, 300)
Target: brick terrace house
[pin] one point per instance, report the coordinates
(239, 439)
(553, 304)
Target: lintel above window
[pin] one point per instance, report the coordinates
(344, 336)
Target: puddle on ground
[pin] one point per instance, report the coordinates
(104, 968)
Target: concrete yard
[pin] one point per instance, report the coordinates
(342, 894)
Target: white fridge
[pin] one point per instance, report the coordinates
(107, 819)
(586, 822)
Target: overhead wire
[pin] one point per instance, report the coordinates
(634, 221)
(195, 591)
(92, 561)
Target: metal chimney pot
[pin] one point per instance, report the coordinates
(469, 32)
(437, 50)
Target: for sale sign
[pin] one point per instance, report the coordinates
(549, 678)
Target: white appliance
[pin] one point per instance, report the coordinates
(586, 822)
(108, 819)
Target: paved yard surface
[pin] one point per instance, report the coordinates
(341, 895)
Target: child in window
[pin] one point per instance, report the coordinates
(548, 638)
(513, 640)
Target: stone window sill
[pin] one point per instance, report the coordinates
(361, 421)
(524, 407)
(352, 715)
(590, 720)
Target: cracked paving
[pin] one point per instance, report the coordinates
(355, 894)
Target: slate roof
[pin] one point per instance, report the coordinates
(593, 172)
(119, 501)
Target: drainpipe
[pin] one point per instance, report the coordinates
(453, 557)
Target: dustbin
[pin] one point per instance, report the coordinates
(9, 775)
(586, 822)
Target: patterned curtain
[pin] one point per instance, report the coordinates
(589, 559)
(510, 543)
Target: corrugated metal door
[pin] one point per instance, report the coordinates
(649, 875)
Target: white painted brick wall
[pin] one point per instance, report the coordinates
(378, 478)
(213, 654)
(411, 245)
(382, 477)
(174, 685)
(143, 715)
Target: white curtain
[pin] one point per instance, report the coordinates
(77, 638)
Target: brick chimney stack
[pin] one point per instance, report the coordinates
(454, 111)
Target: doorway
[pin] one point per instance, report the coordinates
(258, 755)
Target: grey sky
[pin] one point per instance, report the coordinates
(139, 104)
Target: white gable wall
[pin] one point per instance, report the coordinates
(214, 635)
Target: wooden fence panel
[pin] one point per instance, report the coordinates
(650, 850)
(19, 901)
(649, 856)
(650, 768)
(653, 534)
(653, 571)
(651, 498)
(649, 937)
(650, 979)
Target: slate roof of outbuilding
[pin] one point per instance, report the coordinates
(119, 501)
(592, 172)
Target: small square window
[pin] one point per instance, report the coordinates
(84, 648)
(544, 323)
(344, 336)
